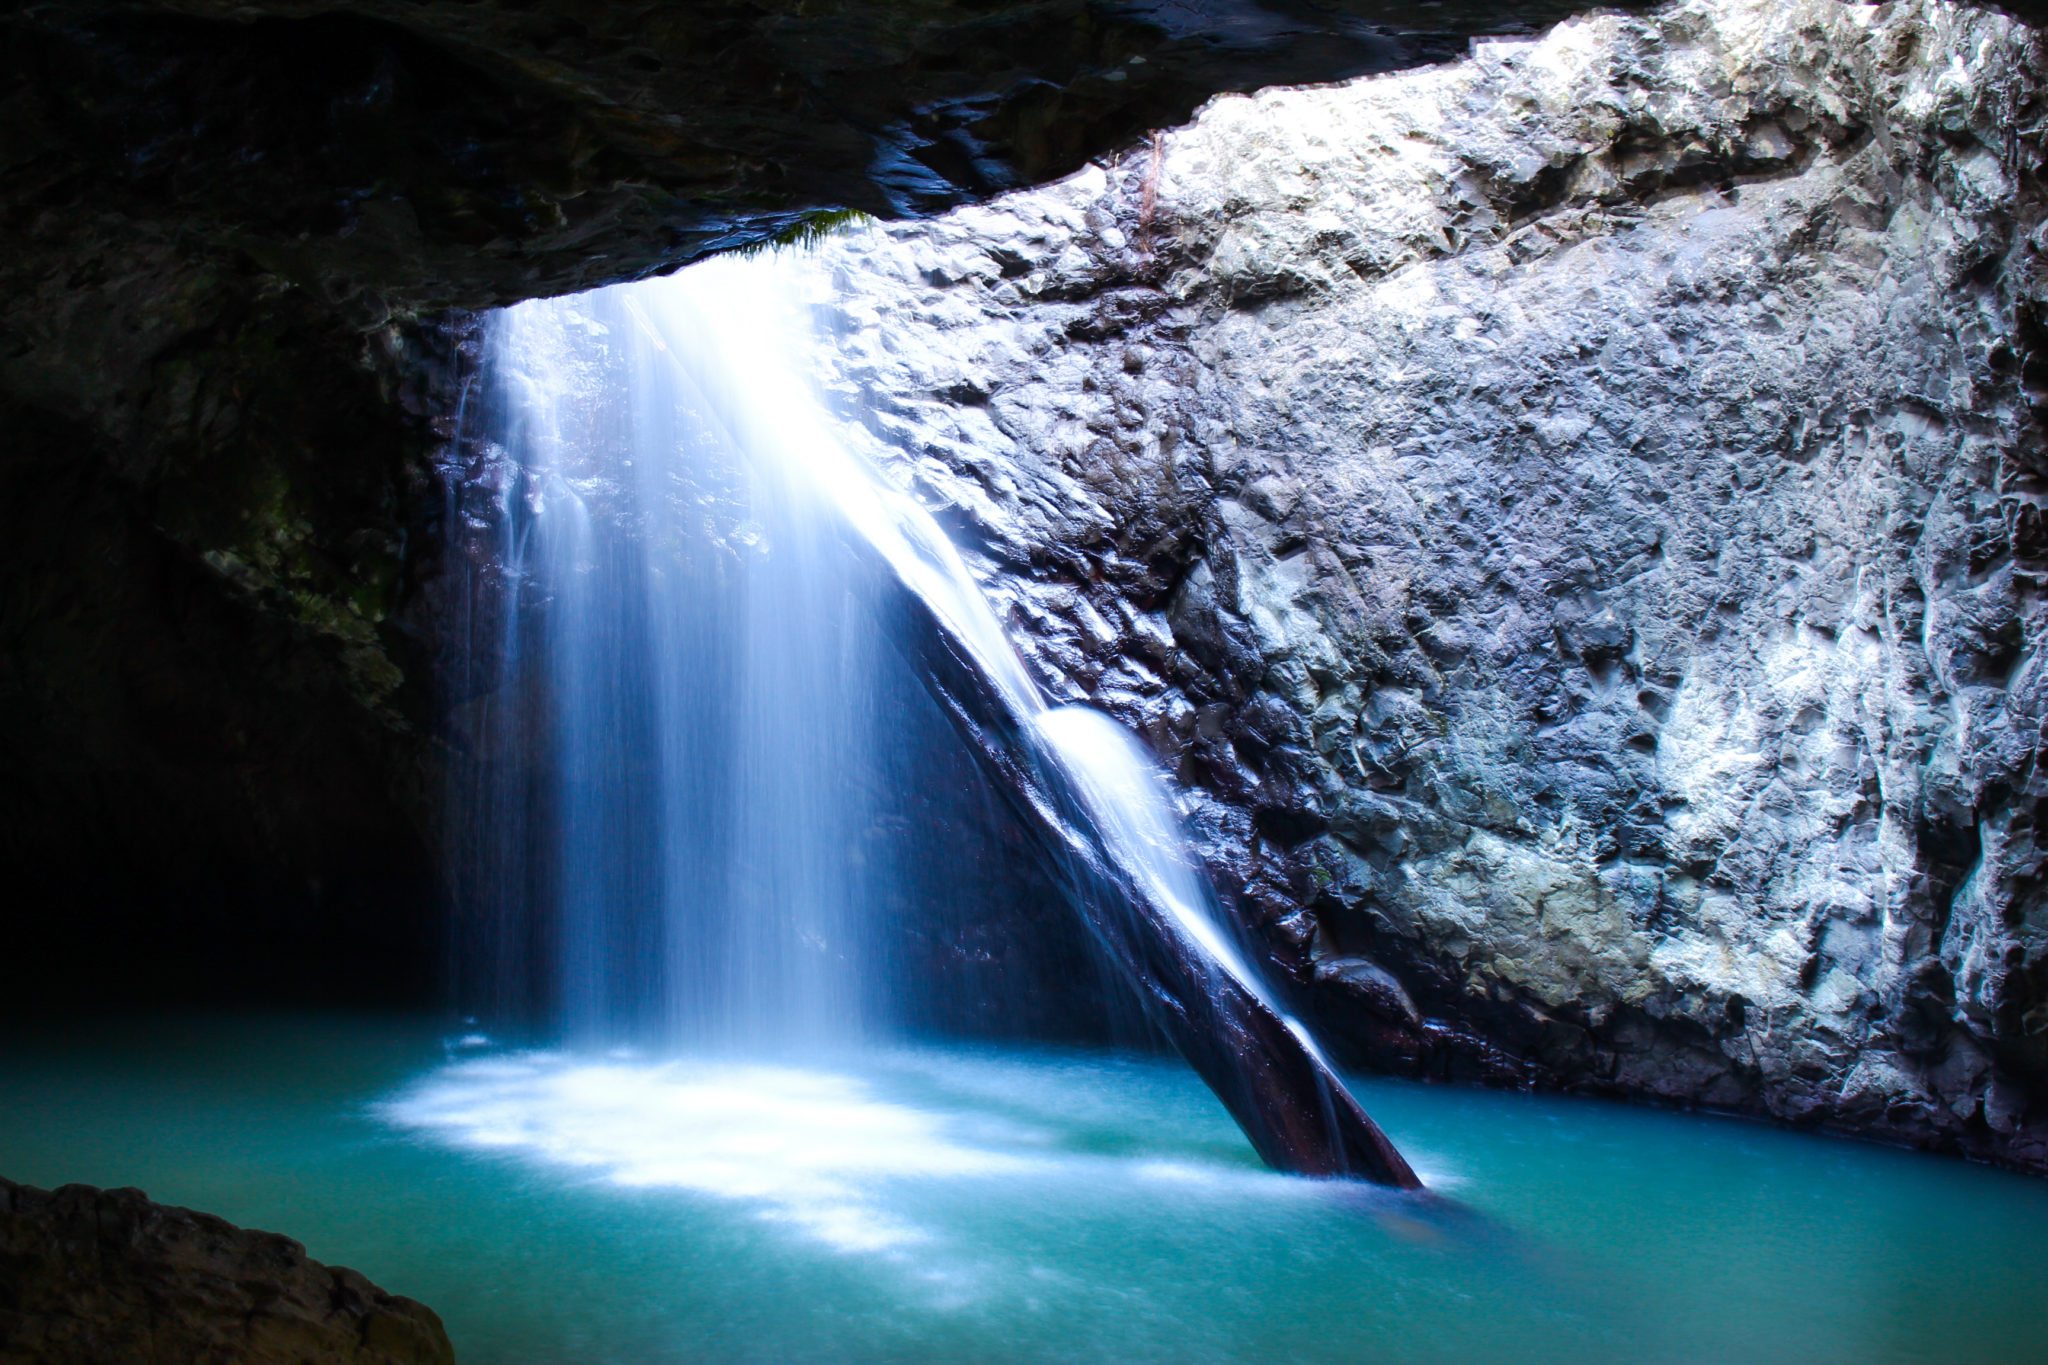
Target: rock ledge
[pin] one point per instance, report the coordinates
(91, 1276)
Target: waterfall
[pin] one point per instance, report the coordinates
(693, 671)
(718, 578)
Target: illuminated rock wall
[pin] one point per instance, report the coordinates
(1572, 520)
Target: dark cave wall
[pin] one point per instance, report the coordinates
(214, 782)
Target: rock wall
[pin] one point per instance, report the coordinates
(406, 154)
(1572, 521)
(90, 1276)
(212, 769)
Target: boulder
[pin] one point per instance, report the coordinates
(91, 1276)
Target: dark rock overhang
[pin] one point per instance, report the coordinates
(403, 156)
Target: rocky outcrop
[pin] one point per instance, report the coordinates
(1573, 521)
(90, 1276)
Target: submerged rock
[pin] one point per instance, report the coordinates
(1572, 519)
(92, 1276)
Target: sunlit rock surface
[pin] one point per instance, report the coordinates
(1572, 518)
(92, 1276)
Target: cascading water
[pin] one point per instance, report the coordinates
(704, 666)
(690, 681)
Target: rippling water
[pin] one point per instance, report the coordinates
(943, 1204)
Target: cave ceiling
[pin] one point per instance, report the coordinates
(401, 155)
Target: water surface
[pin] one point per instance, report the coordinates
(949, 1204)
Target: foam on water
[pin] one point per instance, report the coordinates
(806, 1147)
(828, 1153)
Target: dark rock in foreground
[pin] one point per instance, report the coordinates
(93, 1276)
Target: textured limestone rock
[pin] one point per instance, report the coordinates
(91, 1276)
(1572, 518)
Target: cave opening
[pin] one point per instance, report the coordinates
(1478, 565)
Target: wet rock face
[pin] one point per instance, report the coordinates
(1572, 520)
(90, 1276)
